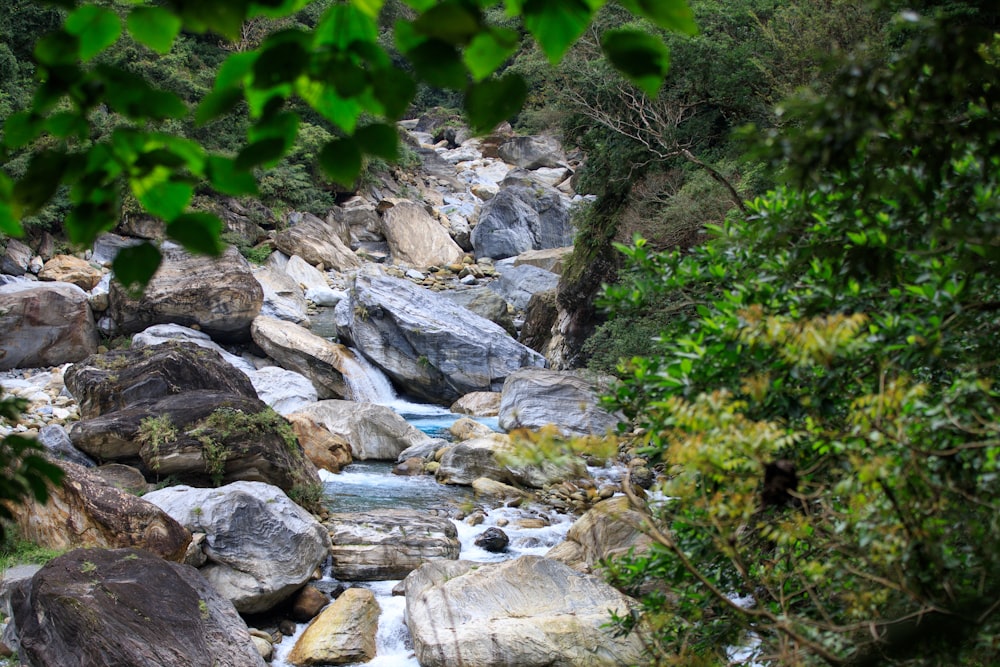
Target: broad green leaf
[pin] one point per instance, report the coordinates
(673, 15)
(86, 221)
(135, 266)
(163, 198)
(281, 61)
(57, 48)
(341, 161)
(449, 21)
(491, 102)
(284, 125)
(20, 129)
(556, 24)
(379, 139)
(439, 64)
(641, 57)
(370, 8)
(9, 225)
(276, 8)
(217, 103)
(421, 5)
(40, 181)
(97, 29)
(265, 152)
(229, 180)
(260, 100)
(198, 232)
(235, 69)
(395, 89)
(67, 124)
(343, 25)
(488, 50)
(342, 112)
(347, 78)
(154, 27)
(132, 96)
(224, 18)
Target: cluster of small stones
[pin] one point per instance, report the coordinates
(576, 496)
(440, 278)
(48, 402)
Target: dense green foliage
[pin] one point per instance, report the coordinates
(823, 398)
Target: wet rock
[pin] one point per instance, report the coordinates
(307, 603)
(493, 540)
(373, 431)
(316, 242)
(296, 348)
(343, 633)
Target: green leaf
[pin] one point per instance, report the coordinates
(57, 48)
(20, 129)
(281, 63)
(420, 5)
(229, 180)
(235, 69)
(488, 50)
(342, 112)
(641, 57)
(40, 181)
(217, 103)
(341, 160)
(378, 139)
(370, 8)
(163, 198)
(9, 225)
(224, 18)
(673, 15)
(96, 28)
(264, 152)
(198, 232)
(154, 27)
(132, 96)
(395, 89)
(448, 21)
(439, 64)
(86, 221)
(67, 124)
(491, 102)
(134, 266)
(556, 24)
(343, 25)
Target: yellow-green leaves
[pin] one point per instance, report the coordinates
(155, 27)
(640, 56)
(488, 50)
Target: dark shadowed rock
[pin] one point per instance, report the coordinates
(95, 608)
(57, 441)
(116, 379)
(86, 511)
(493, 540)
(220, 296)
(44, 324)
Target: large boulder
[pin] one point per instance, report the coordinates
(86, 511)
(15, 258)
(521, 218)
(326, 450)
(343, 633)
(219, 295)
(283, 298)
(471, 459)
(607, 530)
(316, 242)
(70, 269)
(484, 302)
(44, 324)
(201, 438)
(284, 390)
(94, 608)
(107, 382)
(373, 431)
(460, 612)
(388, 544)
(517, 284)
(430, 347)
(298, 349)
(305, 274)
(550, 259)
(416, 239)
(532, 152)
(261, 547)
(165, 333)
(534, 397)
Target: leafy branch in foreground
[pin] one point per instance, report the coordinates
(339, 70)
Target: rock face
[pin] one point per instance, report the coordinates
(260, 546)
(343, 633)
(373, 431)
(317, 243)
(86, 511)
(285, 391)
(113, 380)
(479, 404)
(165, 333)
(519, 219)
(606, 530)
(484, 302)
(388, 544)
(533, 398)
(93, 608)
(220, 296)
(530, 612)
(532, 152)
(416, 239)
(45, 324)
(467, 461)
(518, 284)
(298, 349)
(202, 438)
(429, 346)
(283, 297)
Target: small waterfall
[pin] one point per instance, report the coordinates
(367, 383)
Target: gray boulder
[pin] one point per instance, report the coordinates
(57, 442)
(285, 391)
(261, 547)
(485, 302)
(388, 544)
(95, 607)
(522, 218)
(219, 295)
(163, 333)
(517, 284)
(461, 612)
(296, 348)
(316, 242)
(44, 324)
(373, 431)
(416, 239)
(533, 398)
(283, 298)
(429, 346)
(532, 152)
(16, 258)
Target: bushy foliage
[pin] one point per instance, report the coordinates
(825, 409)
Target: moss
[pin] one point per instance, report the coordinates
(224, 423)
(156, 431)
